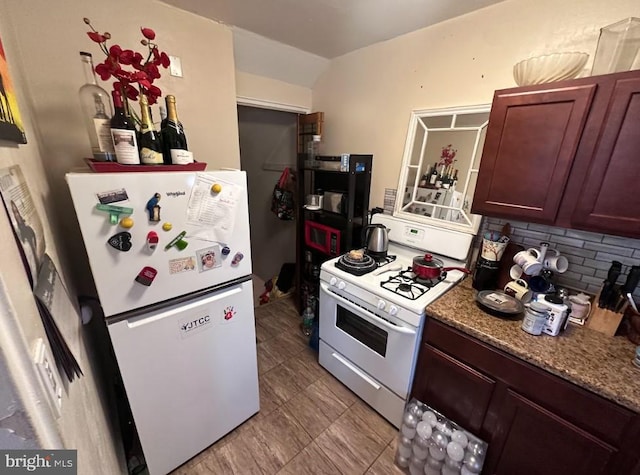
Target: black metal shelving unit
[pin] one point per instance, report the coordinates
(355, 184)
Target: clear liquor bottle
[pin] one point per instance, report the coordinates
(97, 112)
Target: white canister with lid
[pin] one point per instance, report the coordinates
(557, 317)
(535, 318)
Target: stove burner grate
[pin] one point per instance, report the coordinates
(406, 284)
(383, 261)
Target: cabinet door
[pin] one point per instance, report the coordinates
(459, 392)
(531, 142)
(529, 440)
(609, 201)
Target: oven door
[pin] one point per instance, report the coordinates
(385, 349)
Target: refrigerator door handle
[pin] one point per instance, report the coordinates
(139, 321)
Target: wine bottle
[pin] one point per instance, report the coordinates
(123, 133)
(149, 140)
(434, 175)
(96, 107)
(163, 117)
(446, 182)
(440, 178)
(174, 141)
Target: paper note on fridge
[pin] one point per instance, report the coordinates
(212, 212)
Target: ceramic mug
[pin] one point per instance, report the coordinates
(555, 261)
(580, 306)
(518, 289)
(515, 272)
(528, 260)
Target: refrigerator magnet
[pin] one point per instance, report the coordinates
(237, 258)
(114, 196)
(114, 211)
(121, 241)
(178, 242)
(208, 258)
(146, 276)
(182, 264)
(229, 313)
(152, 240)
(153, 208)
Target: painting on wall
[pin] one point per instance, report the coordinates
(11, 126)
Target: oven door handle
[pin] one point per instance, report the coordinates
(366, 314)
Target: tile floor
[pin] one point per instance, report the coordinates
(309, 423)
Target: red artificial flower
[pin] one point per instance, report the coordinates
(148, 33)
(164, 60)
(133, 72)
(126, 57)
(115, 51)
(103, 71)
(97, 37)
(152, 71)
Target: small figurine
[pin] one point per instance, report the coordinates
(154, 208)
(152, 240)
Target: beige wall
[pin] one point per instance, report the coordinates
(84, 423)
(367, 96)
(260, 91)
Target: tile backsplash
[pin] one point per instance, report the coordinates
(589, 254)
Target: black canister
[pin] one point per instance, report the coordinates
(485, 276)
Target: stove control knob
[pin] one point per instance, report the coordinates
(393, 310)
(341, 285)
(333, 281)
(382, 304)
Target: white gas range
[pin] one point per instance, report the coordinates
(371, 324)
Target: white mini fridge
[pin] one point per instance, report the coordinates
(170, 257)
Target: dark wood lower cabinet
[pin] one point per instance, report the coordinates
(455, 389)
(531, 440)
(534, 422)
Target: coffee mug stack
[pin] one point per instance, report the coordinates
(533, 261)
(486, 273)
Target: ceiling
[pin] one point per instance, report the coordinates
(330, 28)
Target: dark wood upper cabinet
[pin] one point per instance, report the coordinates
(531, 142)
(565, 154)
(609, 201)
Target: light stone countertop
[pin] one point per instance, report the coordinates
(587, 358)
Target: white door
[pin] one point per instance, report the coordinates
(190, 373)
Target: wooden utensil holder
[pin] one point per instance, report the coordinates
(603, 320)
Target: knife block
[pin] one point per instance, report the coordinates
(603, 320)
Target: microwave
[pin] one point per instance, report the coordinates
(322, 238)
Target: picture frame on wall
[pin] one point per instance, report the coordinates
(11, 125)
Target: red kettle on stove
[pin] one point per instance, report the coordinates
(376, 239)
